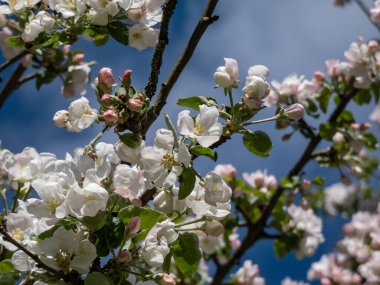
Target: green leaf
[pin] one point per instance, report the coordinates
(327, 131)
(370, 141)
(196, 101)
(148, 218)
(15, 42)
(186, 183)
(130, 139)
(8, 274)
(110, 236)
(259, 143)
(200, 150)
(119, 32)
(363, 97)
(96, 278)
(186, 253)
(319, 180)
(324, 98)
(97, 222)
(67, 223)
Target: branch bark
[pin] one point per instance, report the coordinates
(206, 19)
(12, 85)
(256, 231)
(163, 40)
(13, 60)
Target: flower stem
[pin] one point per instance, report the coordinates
(189, 223)
(275, 118)
(98, 136)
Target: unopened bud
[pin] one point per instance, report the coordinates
(105, 77)
(338, 138)
(106, 98)
(318, 78)
(135, 14)
(135, 104)
(60, 118)
(306, 184)
(295, 112)
(124, 256)
(134, 226)
(126, 78)
(66, 49)
(355, 126)
(165, 279)
(110, 116)
(373, 46)
(27, 60)
(78, 57)
(213, 228)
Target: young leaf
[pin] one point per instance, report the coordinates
(186, 183)
(200, 150)
(95, 278)
(195, 102)
(186, 253)
(130, 139)
(259, 143)
(119, 32)
(324, 99)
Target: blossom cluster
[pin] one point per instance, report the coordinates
(50, 16)
(356, 258)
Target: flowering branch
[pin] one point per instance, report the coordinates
(13, 60)
(163, 40)
(256, 231)
(206, 19)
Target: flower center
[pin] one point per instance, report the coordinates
(52, 204)
(17, 233)
(198, 129)
(63, 259)
(168, 161)
(89, 198)
(137, 36)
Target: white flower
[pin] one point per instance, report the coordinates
(81, 115)
(162, 164)
(87, 201)
(41, 23)
(20, 227)
(141, 36)
(249, 274)
(68, 8)
(106, 157)
(217, 191)
(288, 281)
(79, 75)
(8, 51)
(258, 70)
(167, 201)
(260, 180)
(338, 196)
(225, 170)
(375, 115)
(68, 250)
(206, 129)
(371, 269)
(128, 154)
(256, 88)
(311, 227)
(227, 76)
(128, 182)
(155, 247)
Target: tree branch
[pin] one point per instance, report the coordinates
(13, 60)
(366, 11)
(206, 19)
(163, 40)
(256, 231)
(13, 84)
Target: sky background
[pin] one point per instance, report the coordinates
(285, 35)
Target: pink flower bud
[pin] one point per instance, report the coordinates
(78, 57)
(135, 104)
(295, 112)
(135, 14)
(105, 77)
(127, 74)
(27, 60)
(124, 256)
(60, 118)
(365, 126)
(213, 228)
(318, 78)
(167, 280)
(355, 126)
(110, 116)
(105, 98)
(66, 49)
(338, 138)
(325, 281)
(306, 184)
(225, 170)
(134, 226)
(373, 46)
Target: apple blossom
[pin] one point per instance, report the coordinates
(81, 115)
(205, 130)
(141, 37)
(295, 112)
(249, 274)
(227, 76)
(60, 118)
(128, 182)
(105, 77)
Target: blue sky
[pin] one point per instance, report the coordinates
(287, 36)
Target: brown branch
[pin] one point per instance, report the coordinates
(13, 60)
(12, 85)
(163, 40)
(41, 264)
(256, 231)
(206, 19)
(27, 78)
(366, 11)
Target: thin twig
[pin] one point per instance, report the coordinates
(163, 40)
(13, 84)
(13, 60)
(366, 11)
(206, 19)
(27, 78)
